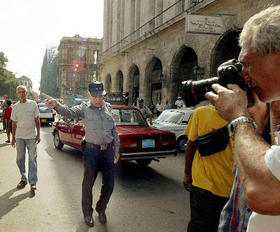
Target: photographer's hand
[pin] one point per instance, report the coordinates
(230, 102)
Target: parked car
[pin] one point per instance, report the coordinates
(138, 141)
(175, 120)
(46, 114)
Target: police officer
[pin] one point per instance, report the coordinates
(146, 112)
(101, 149)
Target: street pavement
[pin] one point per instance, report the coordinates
(144, 200)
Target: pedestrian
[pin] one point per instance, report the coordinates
(25, 119)
(209, 176)
(3, 107)
(126, 98)
(167, 105)
(7, 119)
(179, 103)
(146, 112)
(101, 148)
(258, 163)
(158, 108)
(152, 108)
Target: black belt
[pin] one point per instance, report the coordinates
(99, 146)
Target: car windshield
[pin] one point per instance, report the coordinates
(128, 117)
(45, 109)
(170, 116)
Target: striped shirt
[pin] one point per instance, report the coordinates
(235, 214)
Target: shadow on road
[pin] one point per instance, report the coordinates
(82, 227)
(4, 144)
(130, 176)
(7, 204)
(65, 153)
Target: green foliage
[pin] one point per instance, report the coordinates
(3, 61)
(8, 81)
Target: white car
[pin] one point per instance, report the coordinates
(175, 120)
(46, 115)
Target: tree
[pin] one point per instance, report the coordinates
(8, 81)
(3, 61)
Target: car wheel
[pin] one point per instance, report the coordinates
(182, 143)
(143, 162)
(56, 141)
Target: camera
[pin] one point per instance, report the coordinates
(229, 72)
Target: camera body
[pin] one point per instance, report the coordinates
(229, 72)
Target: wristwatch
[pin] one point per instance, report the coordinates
(236, 122)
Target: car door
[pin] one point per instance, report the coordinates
(64, 128)
(185, 120)
(77, 133)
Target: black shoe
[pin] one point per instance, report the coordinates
(8, 141)
(89, 221)
(21, 184)
(102, 217)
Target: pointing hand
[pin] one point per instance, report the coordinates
(50, 102)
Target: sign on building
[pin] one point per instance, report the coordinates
(204, 24)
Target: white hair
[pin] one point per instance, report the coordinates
(262, 31)
(21, 87)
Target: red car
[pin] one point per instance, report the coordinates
(138, 141)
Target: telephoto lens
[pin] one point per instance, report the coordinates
(194, 91)
(229, 72)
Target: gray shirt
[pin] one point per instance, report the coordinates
(99, 124)
(146, 112)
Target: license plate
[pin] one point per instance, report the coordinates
(148, 143)
(43, 120)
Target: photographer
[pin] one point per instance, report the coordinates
(258, 163)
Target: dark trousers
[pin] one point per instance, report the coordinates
(95, 161)
(205, 210)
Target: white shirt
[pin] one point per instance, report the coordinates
(267, 223)
(179, 104)
(24, 114)
(158, 107)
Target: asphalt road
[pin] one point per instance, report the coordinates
(150, 199)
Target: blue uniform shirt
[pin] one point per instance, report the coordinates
(99, 124)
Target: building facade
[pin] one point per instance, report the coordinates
(150, 46)
(76, 65)
(48, 82)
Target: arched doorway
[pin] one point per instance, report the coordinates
(154, 81)
(108, 84)
(183, 68)
(119, 82)
(226, 48)
(133, 84)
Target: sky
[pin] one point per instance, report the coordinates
(28, 27)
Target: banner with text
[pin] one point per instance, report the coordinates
(204, 24)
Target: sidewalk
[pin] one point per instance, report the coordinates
(3, 136)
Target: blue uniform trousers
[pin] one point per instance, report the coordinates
(96, 160)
